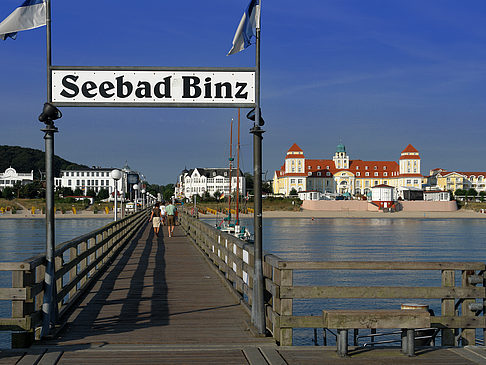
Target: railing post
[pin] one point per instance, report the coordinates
(468, 335)
(83, 246)
(448, 338)
(283, 306)
(23, 308)
(58, 261)
(73, 254)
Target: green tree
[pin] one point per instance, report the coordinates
(293, 192)
(249, 182)
(64, 191)
(17, 187)
(472, 192)
(267, 188)
(168, 191)
(32, 190)
(217, 194)
(78, 192)
(8, 193)
(91, 193)
(103, 194)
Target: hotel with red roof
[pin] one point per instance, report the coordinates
(341, 175)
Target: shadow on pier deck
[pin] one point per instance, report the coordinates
(161, 303)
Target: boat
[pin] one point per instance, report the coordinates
(233, 227)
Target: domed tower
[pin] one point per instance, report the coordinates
(341, 159)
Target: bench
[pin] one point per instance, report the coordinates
(406, 319)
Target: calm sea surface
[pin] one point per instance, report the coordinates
(332, 239)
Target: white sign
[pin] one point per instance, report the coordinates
(153, 87)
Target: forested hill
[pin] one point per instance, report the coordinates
(27, 159)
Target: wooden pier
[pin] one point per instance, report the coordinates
(161, 301)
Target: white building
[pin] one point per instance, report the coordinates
(10, 177)
(201, 180)
(96, 179)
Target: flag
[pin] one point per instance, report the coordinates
(247, 27)
(221, 197)
(31, 14)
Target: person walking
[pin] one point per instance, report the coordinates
(164, 214)
(155, 218)
(171, 211)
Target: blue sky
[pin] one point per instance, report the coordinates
(376, 75)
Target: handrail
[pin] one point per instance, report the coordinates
(234, 259)
(78, 262)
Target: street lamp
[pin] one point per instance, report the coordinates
(143, 198)
(135, 187)
(116, 175)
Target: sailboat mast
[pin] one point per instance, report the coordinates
(238, 173)
(230, 167)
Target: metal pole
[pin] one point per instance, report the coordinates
(49, 306)
(116, 199)
(258, 305)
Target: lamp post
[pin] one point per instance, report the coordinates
(135, 187)
(143, 198)
(116, 175)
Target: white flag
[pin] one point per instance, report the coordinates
(247, 27)
(31, 14)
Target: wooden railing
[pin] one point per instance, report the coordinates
(77, 264)
(461, 306)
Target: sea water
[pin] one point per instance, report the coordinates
(348, 239)
(23, 238)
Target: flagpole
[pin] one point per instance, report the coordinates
(258, 305)
(49, 306)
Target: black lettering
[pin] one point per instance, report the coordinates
(219, 89)
(157, 89)
(143, 90)
(207, 88)
(70, 86)
(105, 87)
(239, 91)
(120, 85)
(87, 87)
(190, 83)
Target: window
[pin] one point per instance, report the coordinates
(309, 173)
(357, 167)
(107, 182)
(415, 181)
(318, 167)
(385, 174)
(77, 182)
(376, 167)
(308, 167)
(367, 184)
(367, 174)
(409, 182)
(97, 173)
(102, 182)
(319, 173)
(77, 173)
(82, 173)
(376, 182)
(384, 167)
(293, 169)
(292, 181)
(376, 174)
(82, 182)
(300, 181)
(69, 182)
(366, 167)
(327, 167)
(328, 173)
(385, 182)
(358, 174)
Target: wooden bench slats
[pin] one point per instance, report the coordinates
(360, 319)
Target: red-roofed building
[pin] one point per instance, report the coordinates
(341, 175)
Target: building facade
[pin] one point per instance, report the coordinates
(11, 177)
(200, 181)
(457, 180)
(96, 179)
(342, 175)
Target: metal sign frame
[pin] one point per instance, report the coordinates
(167, 104)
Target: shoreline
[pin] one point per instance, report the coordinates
(458, 214)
